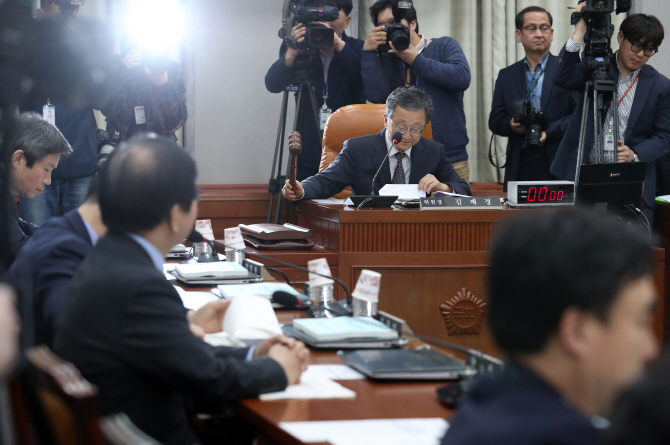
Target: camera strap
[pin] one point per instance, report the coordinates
(408, 68)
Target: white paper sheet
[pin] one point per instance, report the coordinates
(328, 201)
(167, 267)
(332, 372)
(376, 431)
(195, 300)
(312, 386)
(403, 191)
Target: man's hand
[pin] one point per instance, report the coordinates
(264, 348)
(298, 33)
(375, 38)
(580, 26)
(624, 154)
(294, 360)
(290, 194)
(210, 316)
(157, 80)
(430, 184)
(407, 55)
(133, 59)
(517, 127)
(338, 43)
(543, 137)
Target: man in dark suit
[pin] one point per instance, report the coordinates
(123, 325)
(50, 258)
(531, 78)
(412, 160)
(572, 299)
(643, 108)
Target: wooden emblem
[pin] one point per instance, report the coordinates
(463, 314)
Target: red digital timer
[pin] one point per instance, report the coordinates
(539, 193)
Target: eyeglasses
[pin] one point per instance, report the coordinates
(414, 131)
(530, 29)
(637, 47)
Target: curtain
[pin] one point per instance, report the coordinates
(485, 30)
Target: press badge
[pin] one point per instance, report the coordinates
(140, 117)
(324, 114)
(49, 113)
(609, 147)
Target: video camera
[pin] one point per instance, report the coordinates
(396, 32)
(535, 122)
(597, 15)
(297, 11)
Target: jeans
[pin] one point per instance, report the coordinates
(70, 194)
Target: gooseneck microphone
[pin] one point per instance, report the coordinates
(289, 300)
(196, 237)
(395, 138)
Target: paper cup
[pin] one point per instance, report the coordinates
(233, 238)
(367, 287)
(319, 266)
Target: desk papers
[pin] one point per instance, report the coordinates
(313, 385)
(332, 372)
(345, 328)
(403, 191)
(265, 290)
(195, 300)
(370, 431)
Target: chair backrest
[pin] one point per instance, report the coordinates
(69, 401)
(349, 122)
(120, 430)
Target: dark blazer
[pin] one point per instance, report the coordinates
(45, 266)
(557, 104)
(648, 129)
(518, 408)
(123, 326)
(18, 230)
(360, 158)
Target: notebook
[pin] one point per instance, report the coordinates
(345, 328)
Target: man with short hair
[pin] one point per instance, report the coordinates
(572, 299)
(47, 262)
(335, 75)
(435, 65)
(124, 326)
(643, 102)
(412, 160)
(33, 151)
(532, 79)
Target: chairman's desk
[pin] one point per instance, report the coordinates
(426, 258)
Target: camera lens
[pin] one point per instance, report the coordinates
(400, 41)
(320, 37)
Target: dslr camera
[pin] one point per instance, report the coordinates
(396, 32)
(316, 36)
(535, 122)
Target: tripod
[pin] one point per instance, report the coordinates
(304, 93)
(599, 84)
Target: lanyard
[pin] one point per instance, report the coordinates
(626, 93)
(531, 88)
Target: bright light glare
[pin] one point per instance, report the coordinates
(155, 25)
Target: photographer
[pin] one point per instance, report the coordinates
(437, 66)
(148, 94)
(335, 74)
(531, 79)
(643, 101)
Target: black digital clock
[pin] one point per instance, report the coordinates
(540, 193)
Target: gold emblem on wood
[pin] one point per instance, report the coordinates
(463, 314)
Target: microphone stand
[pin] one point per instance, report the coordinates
(397, 136)
(338, 308)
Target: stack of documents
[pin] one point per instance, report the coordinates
(214, 273)
(344, 332)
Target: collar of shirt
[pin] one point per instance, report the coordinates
(394, 150)
(539, 66)
(424, 43)
(151, 250)
(91, 233)
(631, 76)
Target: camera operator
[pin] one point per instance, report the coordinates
(437, 66)
(531, 80)
(335, 76)
(643, 101)
(70, 181)
(147, 94)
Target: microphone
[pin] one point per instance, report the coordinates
(338, 308)
(395, 138)
(196, 237)
(289, 300)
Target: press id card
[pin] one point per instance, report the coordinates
(140, 117)
(49, 114)
(609, 147)
(324, 114)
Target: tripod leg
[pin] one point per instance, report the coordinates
(582, 132)
(279, 152)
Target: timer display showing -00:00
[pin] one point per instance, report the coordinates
(543, 194)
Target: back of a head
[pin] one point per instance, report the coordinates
(411, 98)
(36, 137)
(142, 181)
(545, 262)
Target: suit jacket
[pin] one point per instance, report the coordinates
(648, 129)
(360, 158)
(557, 105)
(18, 230)
(45, 266)
(520, 408)
(123, 326)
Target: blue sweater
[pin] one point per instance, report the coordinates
(443, 72)
(345, 87)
